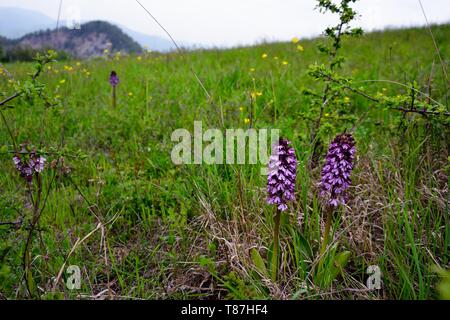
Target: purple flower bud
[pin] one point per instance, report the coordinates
(17, 163)
(39, 164)
(282, 175)
(337, 169)
(114, 79)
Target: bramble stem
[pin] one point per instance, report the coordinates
(8, 99)
(28, 245)
(9, 131)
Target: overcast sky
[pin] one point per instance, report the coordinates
(235, 22)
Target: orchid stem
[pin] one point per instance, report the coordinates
(276, 236)
(114, 97)
(326, 236)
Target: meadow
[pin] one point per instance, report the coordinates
(140, 227)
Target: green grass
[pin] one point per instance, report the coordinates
(188, 231)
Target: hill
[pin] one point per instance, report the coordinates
(153, 43)
(89, 41)
(32, 21)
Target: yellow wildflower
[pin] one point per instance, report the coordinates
(252, 69)
(295, 40)
(264, 55)
(255, 94)
(346, 99)
(285, 63)
(130, 94)
(241, 109)
(62, 81)
(300, 48)
(246, 120)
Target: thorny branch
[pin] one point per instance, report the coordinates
(371, 98)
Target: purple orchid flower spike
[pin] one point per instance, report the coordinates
(113, 79)
(337, 170)
(282, 175)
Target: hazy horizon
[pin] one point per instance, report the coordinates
(216, 23)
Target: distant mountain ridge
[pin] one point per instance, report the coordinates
(18, 23)
(89, 41)
(149, 42)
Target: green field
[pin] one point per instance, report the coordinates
(139, 226)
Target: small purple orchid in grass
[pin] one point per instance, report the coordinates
(337, 170)
(281, 188)
(113, 81)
